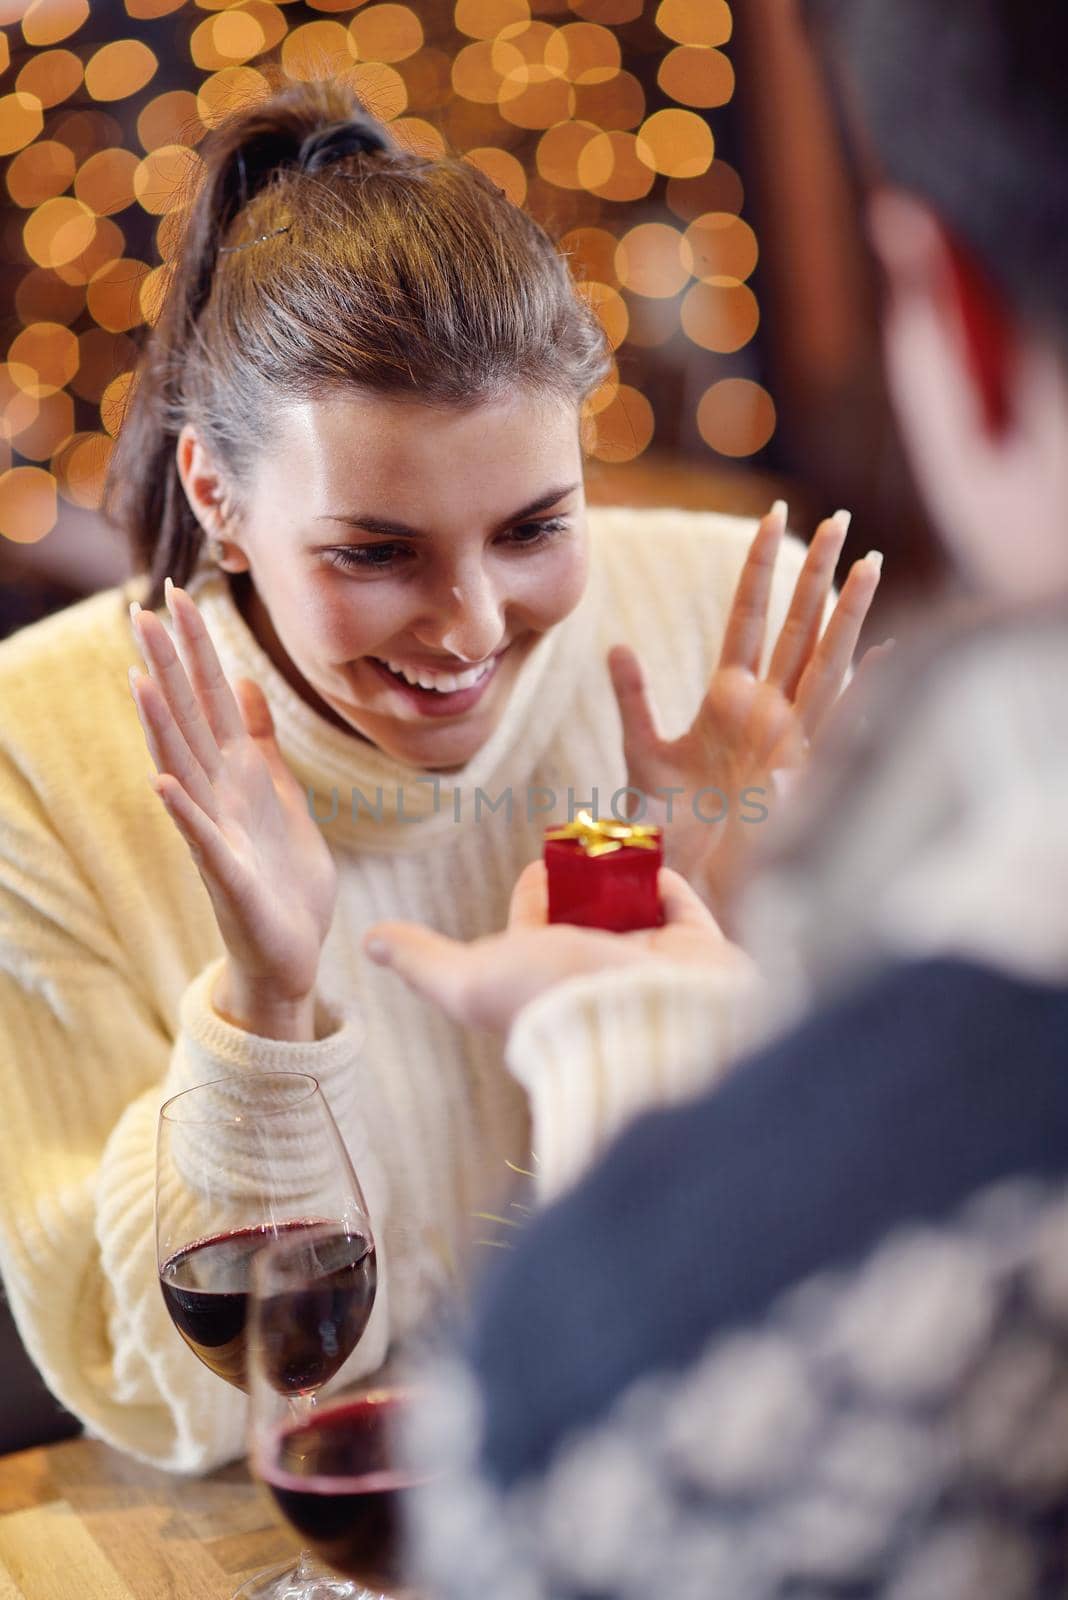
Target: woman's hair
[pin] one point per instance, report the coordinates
(320, 254)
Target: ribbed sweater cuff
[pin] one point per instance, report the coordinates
(213, 1047)
(594, 1051)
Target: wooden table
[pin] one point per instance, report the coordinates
(79, 1521)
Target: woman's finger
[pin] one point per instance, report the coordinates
(849, 707)
(801, 629)
(205, 672)
(167, 744)
(167, 672)
(641, 736)
(821, 681)
(207, 845)
(743, 642)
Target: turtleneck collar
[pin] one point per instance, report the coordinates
(367, 800)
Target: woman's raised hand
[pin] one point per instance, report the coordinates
(747, 727)
(263, 859)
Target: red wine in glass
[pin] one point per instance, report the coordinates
(205, 1288)
(334, 1478)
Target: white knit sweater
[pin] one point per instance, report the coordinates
(109, 951)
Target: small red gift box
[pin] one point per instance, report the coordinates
(603, 874)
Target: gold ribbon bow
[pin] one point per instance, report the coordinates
(599, 837)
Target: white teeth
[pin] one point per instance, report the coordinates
(443, 682)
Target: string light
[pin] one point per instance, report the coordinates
(566, 108)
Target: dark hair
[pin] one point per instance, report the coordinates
(318, 254)
(963, 103)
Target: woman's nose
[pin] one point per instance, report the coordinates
(468, 619)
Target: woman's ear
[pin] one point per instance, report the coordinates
(206, 490)
(920, 255)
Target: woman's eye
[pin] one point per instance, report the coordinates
(536, 533)
(369, 557)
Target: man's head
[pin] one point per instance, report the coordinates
(956, 113)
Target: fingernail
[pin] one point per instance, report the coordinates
(167, 587)
(876, 559)
(135, 606)
(378, 950)
(780, 509)
(133, 676)
(843, 519)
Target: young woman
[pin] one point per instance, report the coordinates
(354, 446)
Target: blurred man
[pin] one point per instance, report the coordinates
(808, 1335)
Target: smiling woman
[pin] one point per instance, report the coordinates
(354, 445)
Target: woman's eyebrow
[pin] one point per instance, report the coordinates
(401, 530)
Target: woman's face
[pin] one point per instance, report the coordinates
(405, 561)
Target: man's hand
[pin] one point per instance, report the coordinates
(485, 984)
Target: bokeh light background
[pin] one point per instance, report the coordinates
(606, 118)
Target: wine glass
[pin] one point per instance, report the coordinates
(334, 1463)
(240, 1162)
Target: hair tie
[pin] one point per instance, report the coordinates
(339, 140)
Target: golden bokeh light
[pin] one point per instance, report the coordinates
(591, 254)
(120, 69)
(39, 173)
(58, 231)
(610, 168)
(114, 294)
(380, 87)
(103, 356)
(721, 316)
(676, 143)
(170, 230)
(50, 428)
(736, 417)
(166, 177)
(114, 400)
(53, 77)
(537, 104)
(418, 136)
(154, 291)
(476, 74)
(315, 50)
(619, 103)
(718, 189)
(81, 467)
(654, 260)
(28, 506)
(5, 62)
(107, 244)
(21, 121)
(148, 10)
(227, 40)
(560, 151)
(18, 408)
(696, 75)
(502, 169)
(43, 358)
(722, 246)
(695, 22)
(485, 19)
(592, 54)
(105, 182)
(42, 296)
(385, 33)
(624, 427)
(170, 118)
(541, 50)
(232, 89)
(610, 309)
(49, 21)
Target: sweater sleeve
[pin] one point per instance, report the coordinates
(597, 1049)
(89, 1062)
